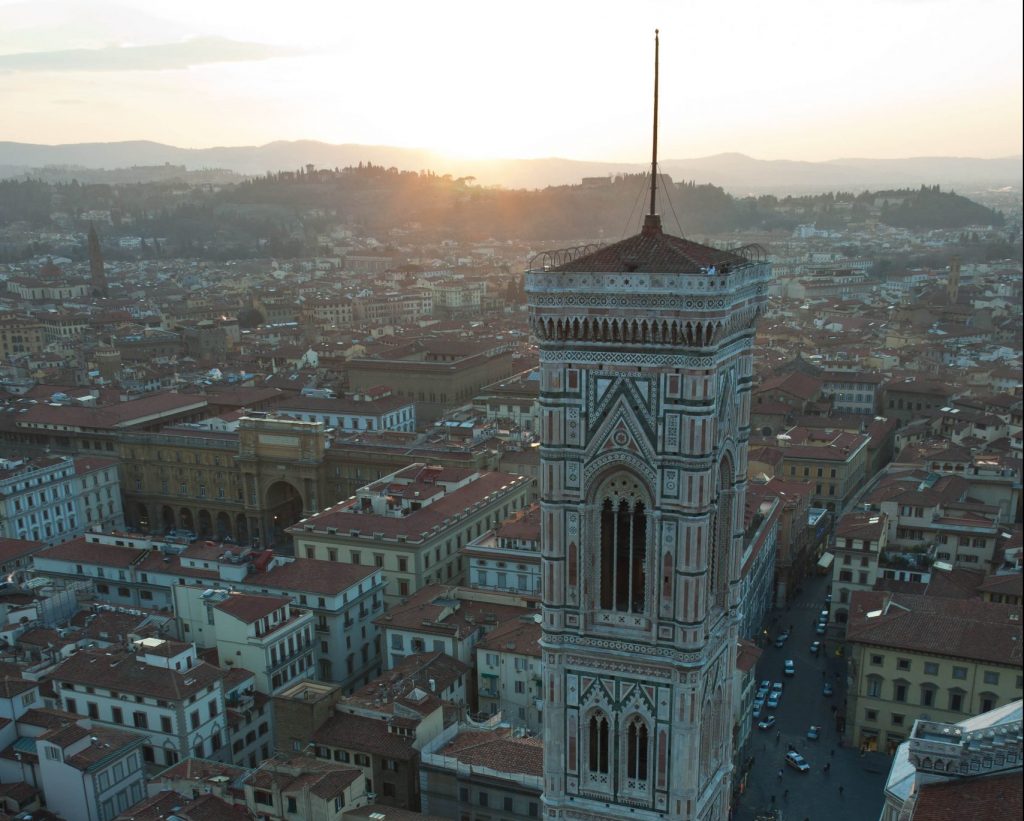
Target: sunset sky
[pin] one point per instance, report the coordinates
(794, 79)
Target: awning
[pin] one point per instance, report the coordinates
(826, 560)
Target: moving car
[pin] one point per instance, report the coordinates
(773, 699)
(797, 762)
(826, 689)
(815, 647)
(789, 668)
(781, 638)
(813, 732)
(766, 723)
(777, 687)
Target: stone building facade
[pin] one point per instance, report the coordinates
(646, 359)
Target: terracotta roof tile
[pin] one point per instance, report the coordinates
(963, 628)
(497, 750)
(124, 672)
(248, 607)
(363, 734)
(995, 798)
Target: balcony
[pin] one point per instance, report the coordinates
(284, 661)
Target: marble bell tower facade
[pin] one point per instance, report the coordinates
(645, 375)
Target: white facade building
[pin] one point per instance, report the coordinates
(91, 772)
(344, 599)
(55, 498)
(262, 634)
(162, 691)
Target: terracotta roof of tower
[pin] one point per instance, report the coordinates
(652, 252)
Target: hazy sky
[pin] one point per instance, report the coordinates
(796, 79)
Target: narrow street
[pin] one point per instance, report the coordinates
(813, 795)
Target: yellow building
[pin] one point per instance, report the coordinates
(413, 523)
(926, 657)
(20, 335)
(835, 462)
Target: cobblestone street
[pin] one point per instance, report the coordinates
(851, 789)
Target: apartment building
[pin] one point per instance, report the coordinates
(263, 634)
(55, 498)
(343, 599)
(250, 718)
(508, 557)
(302, 787)
(794, 554)
(835, 462)
(508, 667)
(160, 690)
(412, 524)
(374, 409)
(926, 657)
(16, 555)
(89, 771)
(856, 392)
(860, 539)
(447, 619)
(934, 513)
(479, 774)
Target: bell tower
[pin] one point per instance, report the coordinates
(96, 270)
(645, 373)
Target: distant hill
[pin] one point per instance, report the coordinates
(737, 173)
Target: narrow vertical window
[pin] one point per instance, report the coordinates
(597, 743)
(636, 750)
(623, 566)
(607, 554)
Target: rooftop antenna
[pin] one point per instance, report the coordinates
(653, 221)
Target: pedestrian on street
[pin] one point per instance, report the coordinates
(833, 753)
(823, 675)
(785, 795)
(773, 800)
(778, 736)
(780, 774)
(840, 790)
(827, 767)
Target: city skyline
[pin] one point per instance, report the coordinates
(888, 78)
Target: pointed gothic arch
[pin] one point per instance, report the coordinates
(637, 753)
(597, 740)
(720, 537)
(623, 504)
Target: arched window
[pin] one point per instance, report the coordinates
(721, 537)
(636, 750)
(597, 743)
(623, 526)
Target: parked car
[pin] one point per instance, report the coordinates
(789, 668)
(797, 762)
(758, 708)
(821, 629)
(815, 647)
(813, 732)
(773, 699)
(762, 693)
(766, 723)
(826, 689)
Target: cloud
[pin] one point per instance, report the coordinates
(158, 57)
